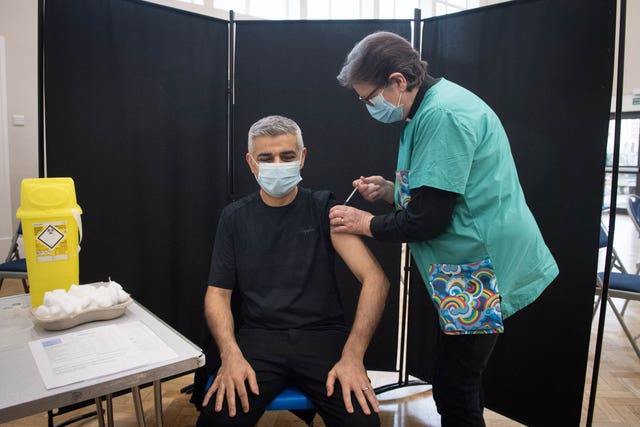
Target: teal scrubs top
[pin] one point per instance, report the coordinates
(455, 142)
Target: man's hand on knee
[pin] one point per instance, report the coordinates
(230, 381)
(352, 375)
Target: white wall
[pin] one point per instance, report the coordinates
(204, 9)
(5, 184)
(18, 25)
(631, 58)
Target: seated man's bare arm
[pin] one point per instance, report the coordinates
(234, 369)
(350, 371)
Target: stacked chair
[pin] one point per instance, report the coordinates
(622, 283)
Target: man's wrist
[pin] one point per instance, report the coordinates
(354, 348)
(230, 353)
(352, 354)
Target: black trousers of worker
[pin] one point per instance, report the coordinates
(294, 357)
(457, 382)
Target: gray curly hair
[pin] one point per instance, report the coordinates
(275, 126)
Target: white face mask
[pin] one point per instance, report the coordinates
(278, 179)
(385, 112)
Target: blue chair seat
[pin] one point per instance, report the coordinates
(603, 238)
(15, 265)
(623, 281)
(289, 399)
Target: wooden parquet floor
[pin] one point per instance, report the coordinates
(618, 393)
(617, 403)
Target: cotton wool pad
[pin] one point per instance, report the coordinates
(81, 298)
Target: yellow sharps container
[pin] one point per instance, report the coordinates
(51, 227)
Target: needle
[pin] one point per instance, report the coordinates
(350, 195)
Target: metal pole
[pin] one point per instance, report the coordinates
(42, 172)
(231, 81)
(614, 193)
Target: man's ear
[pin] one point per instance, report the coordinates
(399, 79)
(252, 165)
(303, 156)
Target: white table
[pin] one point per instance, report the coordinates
(23, 392)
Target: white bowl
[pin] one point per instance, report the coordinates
(58, 323)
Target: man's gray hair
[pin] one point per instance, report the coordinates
(275, 126)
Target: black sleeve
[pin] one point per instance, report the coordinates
(222, 273)
(324, 200)
(427, 215)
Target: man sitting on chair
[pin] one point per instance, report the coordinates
(275, 248)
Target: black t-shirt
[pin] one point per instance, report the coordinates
(281, 260)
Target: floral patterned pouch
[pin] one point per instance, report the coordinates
(466, 297)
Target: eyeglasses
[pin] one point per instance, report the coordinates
(367, 99)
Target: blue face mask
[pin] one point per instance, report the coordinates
(278, 179)
(383, 111)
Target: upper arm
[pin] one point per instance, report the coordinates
(357, 256)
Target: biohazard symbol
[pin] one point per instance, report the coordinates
(51, 236)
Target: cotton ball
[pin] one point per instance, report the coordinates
(67, 306)
(85, 301)
(43, 311)
(75, 290)
(112, 292)
(116, 285)
(75, 302)
(80, 290)
(122, 296)
(104, 301)
(105, 291)
(47, 298)
(55, 299)
(93, 301)
(96, 296)
(54, 310)
(90, 291)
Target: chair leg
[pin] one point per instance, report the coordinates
(595, 307)
(624, 327)
(25, 286)
(624, 307)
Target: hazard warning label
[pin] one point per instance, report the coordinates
(51, 244)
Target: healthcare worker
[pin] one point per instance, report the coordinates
(458, 203)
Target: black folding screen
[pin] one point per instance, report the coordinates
(292, 72)
(146, 88)
(545, 67)
(136, 113)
